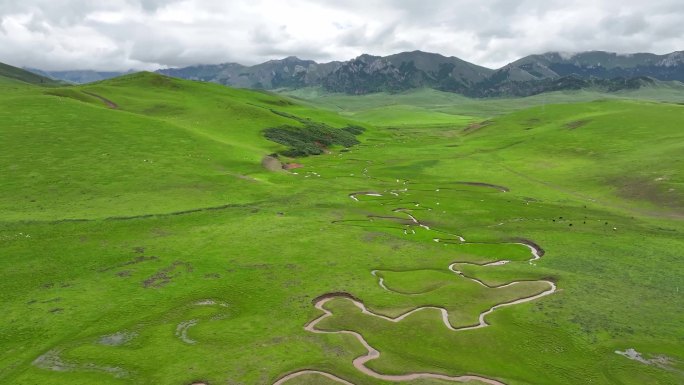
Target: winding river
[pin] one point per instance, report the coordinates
(372, 353)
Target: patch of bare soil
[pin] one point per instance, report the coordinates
(370, 236)
(116, 339)
(657, 191)
(576, 124)
(271, 163)
(211, 302)
(473, 127)
(164, 276)
(661, 361)
(134, 261)
(51, 360)
(246, 177)
(290, 166)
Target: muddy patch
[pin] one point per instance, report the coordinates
(291, 166)
(371, 236)
(659, 191)
(166, 275)
(474, 127)
(210, 302)
(134, 261)
(575, 124)
(660, 361)
(271, 163)
(246, 177)
(116, 339)
(52, 360)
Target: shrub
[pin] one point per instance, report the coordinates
(354, 130)
(312, 138)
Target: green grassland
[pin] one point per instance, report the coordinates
(194, 143)
(143, 242)
(430, 106)
(14, 75)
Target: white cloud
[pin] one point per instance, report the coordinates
(148, 34)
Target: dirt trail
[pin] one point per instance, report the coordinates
(106, 101)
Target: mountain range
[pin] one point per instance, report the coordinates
(14, 74)
(408, 70)
(78, 76)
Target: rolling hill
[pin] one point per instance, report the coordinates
(186, 136)
(9, 73)
(504, 241)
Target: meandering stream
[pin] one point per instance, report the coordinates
(372, 353)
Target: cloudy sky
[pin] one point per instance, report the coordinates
(149, 34)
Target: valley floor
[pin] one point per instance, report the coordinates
(537, 248)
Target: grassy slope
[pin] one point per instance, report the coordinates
(406, 115)
(275, 247)
(431, 104)
(23, 76)
(69, 156)
(618, 287)
(630, 149)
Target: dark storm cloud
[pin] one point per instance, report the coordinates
(148, 34)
